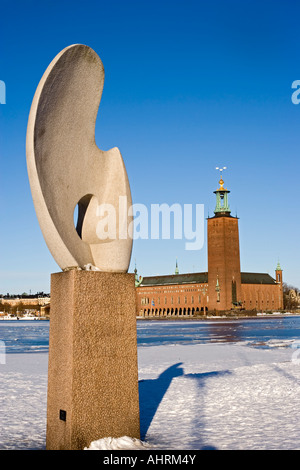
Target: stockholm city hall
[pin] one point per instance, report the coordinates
(223, 288)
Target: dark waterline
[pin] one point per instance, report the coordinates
(33, 336)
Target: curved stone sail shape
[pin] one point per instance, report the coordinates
(66, 168)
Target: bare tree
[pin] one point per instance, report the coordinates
(289, 302)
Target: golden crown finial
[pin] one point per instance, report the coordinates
(221, 182)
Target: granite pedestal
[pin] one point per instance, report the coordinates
(93, 371)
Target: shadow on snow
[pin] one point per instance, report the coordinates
(152, 392)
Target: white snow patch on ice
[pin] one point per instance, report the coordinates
(222, 396)
(120, 443)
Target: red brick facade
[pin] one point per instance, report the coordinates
(262, 297)
(172, 299)
(224, 272)
(166, 298)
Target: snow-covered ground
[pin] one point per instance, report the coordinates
(199, 396)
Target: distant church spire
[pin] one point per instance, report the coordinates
(176, 269)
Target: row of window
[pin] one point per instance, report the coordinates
(165, 291)
(172, 311)
(146, 300)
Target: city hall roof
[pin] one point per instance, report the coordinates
(257, 278)
(192, 278)
(200, 278)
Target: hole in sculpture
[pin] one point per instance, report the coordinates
(80, 211)
(75, 216)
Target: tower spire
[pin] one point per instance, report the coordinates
(135, 272)
(278, 273)
(278, 267)
(137, 279)
(222, 207)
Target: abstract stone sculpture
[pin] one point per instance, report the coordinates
(66, 168)
(93, 369)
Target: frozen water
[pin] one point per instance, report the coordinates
(228, 385)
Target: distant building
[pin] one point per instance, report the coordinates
(222, 288)
(18, 304)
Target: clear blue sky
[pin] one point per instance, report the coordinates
(190, 85)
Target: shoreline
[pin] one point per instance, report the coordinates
(260, 316)
(230, 317)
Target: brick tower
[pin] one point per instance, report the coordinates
(224, 272)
